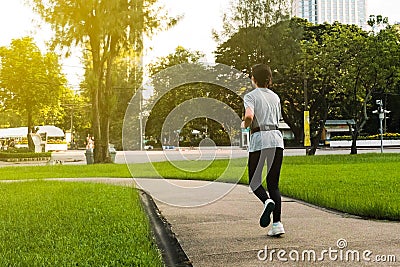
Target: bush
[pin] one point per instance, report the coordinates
(20, 153)
(386, 136)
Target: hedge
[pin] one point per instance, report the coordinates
(386, 136)
(28, 155)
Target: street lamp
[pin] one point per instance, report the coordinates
(382, 115)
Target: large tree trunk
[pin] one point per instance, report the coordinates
(96, 88)
(320, 126)
(354, 136)
(106, 105)
(316, 139)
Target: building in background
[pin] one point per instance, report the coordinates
(320, 11)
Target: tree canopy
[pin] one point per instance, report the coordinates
(29, 80)
(105, 29)
(332, 70)
(185, 95)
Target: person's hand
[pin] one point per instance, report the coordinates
(242, 125)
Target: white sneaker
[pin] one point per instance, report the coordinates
(276, 230)
(269, 207)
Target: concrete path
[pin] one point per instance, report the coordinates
(226, 233)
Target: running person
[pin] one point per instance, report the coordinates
(262, 115)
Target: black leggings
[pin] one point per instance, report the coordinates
(274, 157)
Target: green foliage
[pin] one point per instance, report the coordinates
(179, 95)
(29, 80)
(74, 224)
(173, 98)
(180, 56)
(107, 30)
(15, 154)
(338, 68)
(245, 14)
(386, 136)
(75, 109)
(127, 79)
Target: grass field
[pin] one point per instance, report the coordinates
(73, 224)
(366, 185)
(63, 171)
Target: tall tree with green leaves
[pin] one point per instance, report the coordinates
(278, 45)
(106, 29)
(29, 80)
(374, 70)
(172, 98)
(127, 79)
(248, 14)
(244, 30)
(186, 92)
(75, 113)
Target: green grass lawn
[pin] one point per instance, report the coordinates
(366, 185)
(73, 224)
(64, 171)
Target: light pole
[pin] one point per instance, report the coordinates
(141, 119)
(382, 115)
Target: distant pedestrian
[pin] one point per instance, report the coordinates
(89, 143)
(262, 115)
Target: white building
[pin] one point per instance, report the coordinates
(320, 11)
(53, 138)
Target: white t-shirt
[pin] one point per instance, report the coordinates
(266, 106)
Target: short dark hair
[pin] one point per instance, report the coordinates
(262, 75)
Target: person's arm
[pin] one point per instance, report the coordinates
(249, 111)
(248, 117)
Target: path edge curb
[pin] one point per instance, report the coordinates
(168, 244)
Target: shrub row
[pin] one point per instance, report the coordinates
(30, 155)
(386, 136)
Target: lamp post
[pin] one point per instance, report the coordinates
(382, 115)
(141, 119)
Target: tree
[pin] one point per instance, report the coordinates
(378, 22)
(336, 68)
(127, 79)
(279, 46)
(374, 70)
(185, 92)
(106, 29)
(29, 80)
(75, 116)
(172, 98)
(251, 14)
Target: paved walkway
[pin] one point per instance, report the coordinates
(226, 231)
